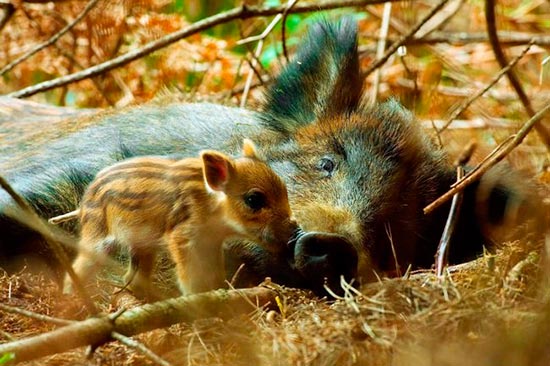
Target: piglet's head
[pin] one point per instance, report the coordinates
(255, 199)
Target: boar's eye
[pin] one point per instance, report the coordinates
(256, 200)
(326, 165)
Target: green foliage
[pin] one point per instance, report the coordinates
(175, 7)
(6, 358)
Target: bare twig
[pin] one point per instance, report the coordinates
(489, 156)
(441, 18)
(251, 73)
(501, 95)
(387, 227)
(6, 335)
(381, 46)
(403, 39)
(265, 33)
(257, 66)
(65, 217)
(498, 156)
(442, 254)
(224, 304)
(236, 275)
(466, 154)
(479, 93)
(30, 218)
(512, 77)
(439, 140)
(461, 38)
(33, 315)
(50, 41)
(243, 12)
(132, 343)
(64, 52)
(255, 84)
(260, 38)
(288, 8)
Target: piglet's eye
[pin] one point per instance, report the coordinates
(256, 200)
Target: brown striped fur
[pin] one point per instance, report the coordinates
(191, 206)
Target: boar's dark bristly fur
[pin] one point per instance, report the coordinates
(321, 79)
(358, 176)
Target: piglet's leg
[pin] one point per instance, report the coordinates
(199, 263)
(140, 271)
(93, 255)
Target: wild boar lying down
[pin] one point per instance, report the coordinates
(358, 177)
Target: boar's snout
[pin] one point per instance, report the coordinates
(322, 258)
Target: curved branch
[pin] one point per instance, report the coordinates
(404, 39)
(457, 112)
(494, 157)
(512, 77)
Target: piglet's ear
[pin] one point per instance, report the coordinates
(216, 169)
(249, 149)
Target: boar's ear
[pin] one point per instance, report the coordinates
(322, 80)
(216, 169)
(249, 149)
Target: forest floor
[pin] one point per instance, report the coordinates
(492, 311)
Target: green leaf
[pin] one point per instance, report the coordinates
(7, 357)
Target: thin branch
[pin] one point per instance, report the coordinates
(31, 218)
(50, 41)
(480, 92)
(381, 46)
(33, 315)
(252, 56)
(502, 96)
(387, 227)
(500, 146)
(265, 33)
(69, 216)
(256, 84)
(248, 81)
(242, 12)
(132, 343)
(512, 77)
(441, 18)
(288, 8)
(224, 304)
(236, 276)
(442, 254)
(6, 335)
(489, 163)
(403, 39)
(466, 154)
(260, 38)
(64, 52)
(462, 38)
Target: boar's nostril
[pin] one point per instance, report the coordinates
(324, 257)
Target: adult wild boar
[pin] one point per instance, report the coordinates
(358, 176)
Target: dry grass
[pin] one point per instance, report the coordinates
(488, 312)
